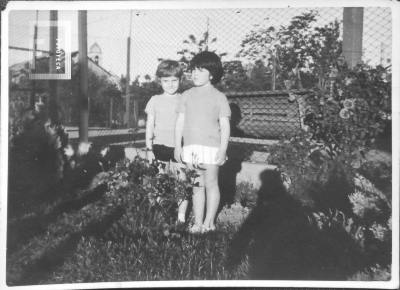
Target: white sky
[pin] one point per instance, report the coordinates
(159, 33)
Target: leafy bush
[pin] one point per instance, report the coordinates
(371, 230)
(347, 112)
(162, 191)
(36, 159)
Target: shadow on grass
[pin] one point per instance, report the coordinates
(35, 272)
(334, 194)
(282, 243)
(22, 230)
(227, 181)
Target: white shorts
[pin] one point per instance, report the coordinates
(198, 154)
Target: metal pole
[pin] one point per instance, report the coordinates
(208, 36)
(53, 70)
(352, 34)
(32, 99)
(83, 77)
(128, 67)
(136, 111)
(127, 93)
(273, 75)
(111, 113)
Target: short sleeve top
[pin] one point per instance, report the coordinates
(163, 107)
(203, 107)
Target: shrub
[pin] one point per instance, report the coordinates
(158, 191)
(36, 159)
(344, 116)
(370, 229)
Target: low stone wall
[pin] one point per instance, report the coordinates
(131, 152)
(250, 172)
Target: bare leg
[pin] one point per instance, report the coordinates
(213, 194)
(199, 199)
(183, 203)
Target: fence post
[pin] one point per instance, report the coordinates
(53, 83)
(83, 77)
(273, 74)
(352, 34)
(136, 112)
(127, 93)
(111, 113)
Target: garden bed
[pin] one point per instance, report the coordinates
(126, 231)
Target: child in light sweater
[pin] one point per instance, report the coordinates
(203, 121)
(161, 116)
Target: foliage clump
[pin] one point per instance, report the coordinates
(343, 119)
(36, 159)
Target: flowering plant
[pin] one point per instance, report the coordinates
(161, 191)
(344, 117)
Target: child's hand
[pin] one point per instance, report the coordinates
(220, 157)
(150, 156)
(177, 154)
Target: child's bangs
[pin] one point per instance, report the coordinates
(193, 67)
(202, 64)
(173, 72)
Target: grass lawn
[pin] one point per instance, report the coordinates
(98, 235)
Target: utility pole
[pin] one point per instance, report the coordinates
(128, 66)
(83, 77)
(32, 99)
(208, 35)
(53, 55)
(352, 34)
(136, 111)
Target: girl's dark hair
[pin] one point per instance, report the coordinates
(211, 62)
(169, 68)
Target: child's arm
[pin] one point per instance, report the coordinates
(225, 133)
(179, 123)
(149, 137)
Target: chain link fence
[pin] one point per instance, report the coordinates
(274, 61)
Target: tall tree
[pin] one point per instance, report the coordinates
(245, 78)
(193, 46)
(100, 92)
(297, 52)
